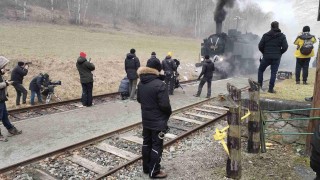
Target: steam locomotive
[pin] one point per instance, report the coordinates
(233, 53)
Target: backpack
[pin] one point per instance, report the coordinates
(307, 47)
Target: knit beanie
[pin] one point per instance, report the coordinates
(132, 51)
(275, 25)
(82, 54)
(20, 63)
(154, 64)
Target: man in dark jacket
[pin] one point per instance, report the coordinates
(156, 111)
(131, 65)
(272, 45)
(17, 75)
(36, 85)
(169, 68)
(3, 98)
(207, 72)
(315, 154)
(85, 69)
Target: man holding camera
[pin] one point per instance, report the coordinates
(17, 75)
(169, 68)
(85, 69)
(3, 98)
(36, 85)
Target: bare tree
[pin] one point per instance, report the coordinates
(24, 9)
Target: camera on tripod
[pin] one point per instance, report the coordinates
(48, 90)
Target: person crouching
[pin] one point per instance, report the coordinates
(156, 111)
(3, 98)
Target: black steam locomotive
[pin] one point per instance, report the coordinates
(233, 53)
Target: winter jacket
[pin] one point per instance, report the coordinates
(124, 85)
(207, 69)
(299, 42)
(37, 82)
(154, 100)
(273, 44)
(17, 74)
(315, 154)
(131, 65)
(168, 65)
(85, 67)
(3, 84)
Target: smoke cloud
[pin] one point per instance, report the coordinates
(220, 13)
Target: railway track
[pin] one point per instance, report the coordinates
(103, 156)
(57, 107)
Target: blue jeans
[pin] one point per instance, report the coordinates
(33, 94)
(274, 63)
(4, 116)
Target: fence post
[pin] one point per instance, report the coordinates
(234, 134)
(254, 118)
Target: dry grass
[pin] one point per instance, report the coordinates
(54, 49)
(289, 90)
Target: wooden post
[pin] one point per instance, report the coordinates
(315, 104)
(234, 134)
(254, 118)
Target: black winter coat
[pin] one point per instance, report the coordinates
(207, 69)
(273, 44)
(168, 65)
(315, 154)
(17, 74)
(154, 100)
(37, 82)
(131, 65)
(85, 67)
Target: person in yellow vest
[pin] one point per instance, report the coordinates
(304, 52)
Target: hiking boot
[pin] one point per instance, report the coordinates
(310, 99)
(271, 91)
(14, 131)
(297, 82)
(160, 175)
(196, 95)
(2, 138)
(305, 83)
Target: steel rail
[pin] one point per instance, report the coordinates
(88, 141)
(51, 105)
(165, 145)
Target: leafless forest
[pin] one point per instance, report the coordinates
(192, 18)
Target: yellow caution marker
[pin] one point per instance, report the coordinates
(220, 135)
(246, 115)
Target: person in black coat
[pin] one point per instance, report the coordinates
(169, 68)
(272, 45)
(156, 111)
(85, 69)
(131, 65)
(36, 85)
(207, 72)
(315, 153)
(17, 75)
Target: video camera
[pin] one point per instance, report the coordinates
(49, 87)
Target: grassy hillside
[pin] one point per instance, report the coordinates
(54, 49)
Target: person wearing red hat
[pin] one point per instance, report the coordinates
(85, 69)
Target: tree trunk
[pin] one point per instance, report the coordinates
(24, 9)
(68, 4)
(234, 133)
(85, 10)
(52, 11)
(79, 11)
(315, 104)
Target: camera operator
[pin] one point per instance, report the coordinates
(3, 98)
(36, 85)
(17, 75)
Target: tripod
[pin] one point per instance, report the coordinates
(49, 92)
(49, 96)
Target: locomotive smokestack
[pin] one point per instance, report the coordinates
(220, 13)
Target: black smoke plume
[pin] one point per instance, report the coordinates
(220, 13)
